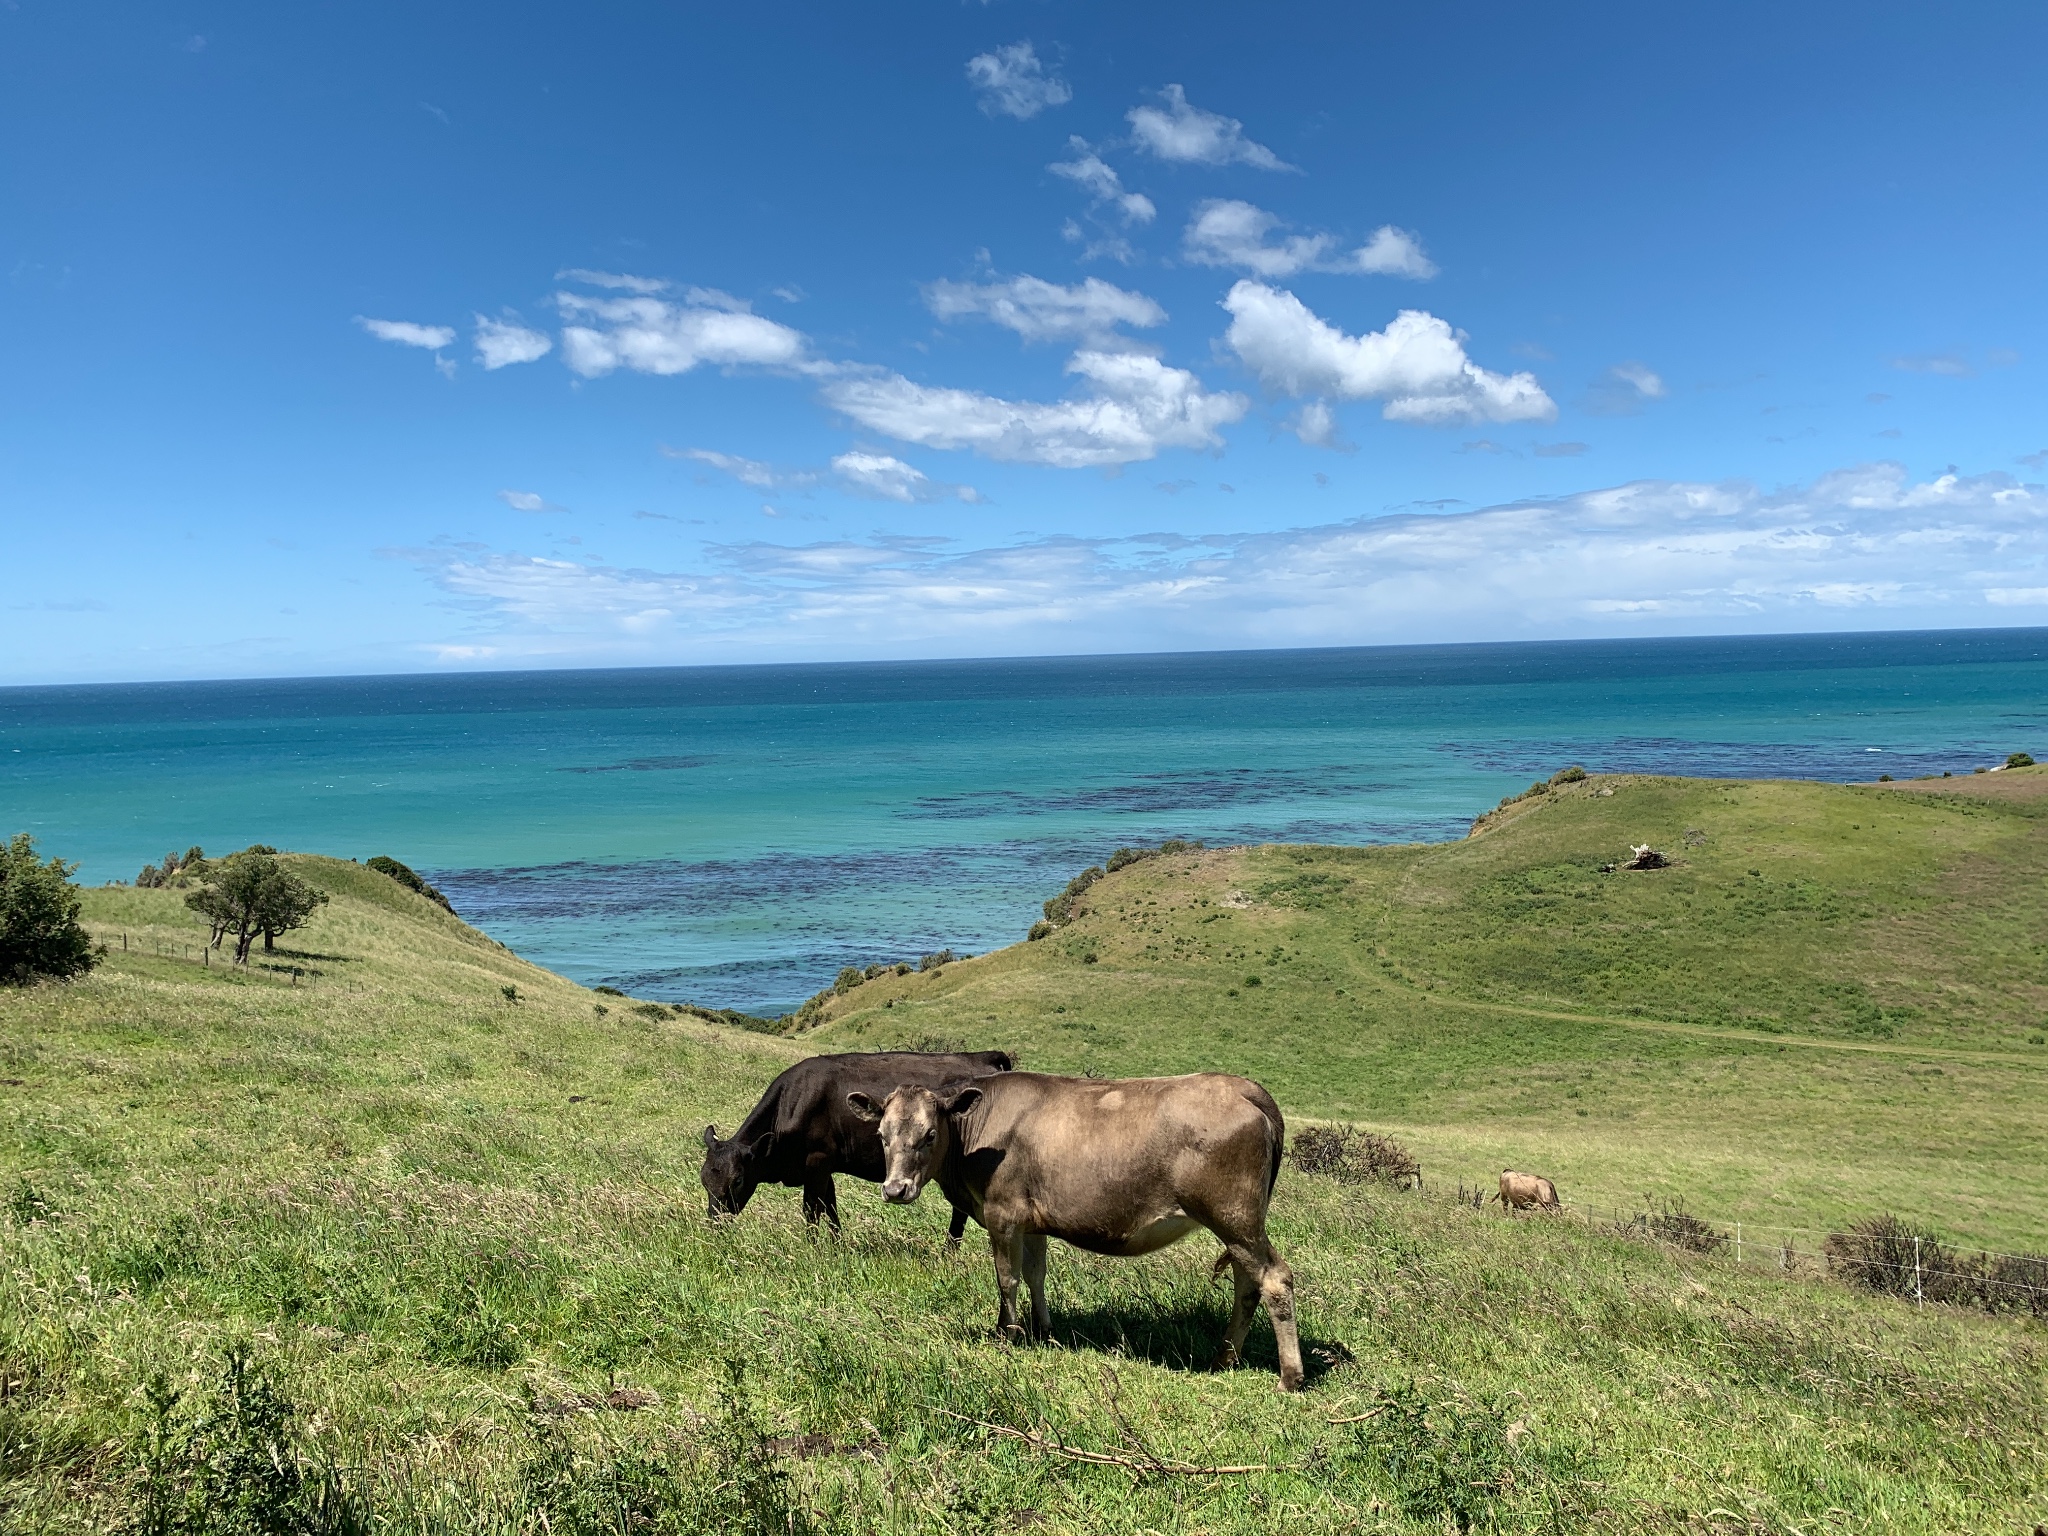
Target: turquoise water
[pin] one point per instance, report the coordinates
(733, 835)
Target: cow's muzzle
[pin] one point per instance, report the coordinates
(900, 1191)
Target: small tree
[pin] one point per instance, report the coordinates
(39, 931)
(250, 893)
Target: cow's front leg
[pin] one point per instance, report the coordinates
(821, 1199)
(1005, 1246)
(1033, 1245)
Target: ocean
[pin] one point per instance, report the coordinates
(733, 835)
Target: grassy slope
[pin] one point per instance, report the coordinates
(422, 1203)
(1833, 1004)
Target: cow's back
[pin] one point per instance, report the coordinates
(1092, 1160)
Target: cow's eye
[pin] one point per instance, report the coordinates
(926, 1139)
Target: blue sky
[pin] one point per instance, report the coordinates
(377, 338)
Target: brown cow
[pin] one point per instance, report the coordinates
(1116, 1167)
(1522, 1191)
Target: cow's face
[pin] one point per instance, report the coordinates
(917, 1132)
(730, 1172)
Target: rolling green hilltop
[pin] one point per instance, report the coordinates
(393, 1230)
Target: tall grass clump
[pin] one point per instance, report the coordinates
(1352, 1155)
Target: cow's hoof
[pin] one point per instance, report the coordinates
(1013, 1333)
(1290, 1381)
(1226, 1359)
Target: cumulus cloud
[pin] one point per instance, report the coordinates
(1861, 548)
(1041, 311)
(500, 344)
(1098, 178)
(1316, 426)
(1417, 365)
(653, 335)
(407, 333)
(887, 478)
(1182, 132)
(1012, 81)
(1134, 407)
(1227, 233)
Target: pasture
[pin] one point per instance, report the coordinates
(378, 1246)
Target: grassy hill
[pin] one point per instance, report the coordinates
(454, 1237)
(1834, 1002)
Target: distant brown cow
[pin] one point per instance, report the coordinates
(1116, 1167)
(1522, 1191)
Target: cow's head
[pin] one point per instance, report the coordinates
(917, 1133)
(731, 1170)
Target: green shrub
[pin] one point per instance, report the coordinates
(1571, 775)
(2019, 760)
(40, 935)
(386, 865)
(1352, 1155)
(1061, 908)
(937, 958)
(848, 978)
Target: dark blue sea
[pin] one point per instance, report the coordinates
(734, 835)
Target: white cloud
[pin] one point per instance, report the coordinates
(528, 501)
(408, 334)
(1316, 426)
(1859, 548)
(886, 478)
(1417, 364)
(1191, 136)
(1136, 406)
(1622, 390)
(1098, 178)
(761, 476)
(622, 281)
(1011, 80)
(500, 344)
(650, 335)
(1227, 233)
(1041, 311)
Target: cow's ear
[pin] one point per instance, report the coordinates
(962, 1101)
(762, 1148)
(710, 1136)
(863, 1106)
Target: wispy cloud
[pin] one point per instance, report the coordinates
(884, 477)
(621, 281)
(1179, 131)
(408, 333)
(1228, 233)
(528, 501)
(1037, 310)
(1012, 82)
(760, 475)
(1417, 365)
(1098, 178)
(1134, 407)
(1861, 547)
(1952, 364)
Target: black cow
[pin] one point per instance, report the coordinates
(803, 1130)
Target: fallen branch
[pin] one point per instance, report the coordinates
(1359, 1418)
(1146, 1464)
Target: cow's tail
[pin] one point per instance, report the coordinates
(1277, 1132)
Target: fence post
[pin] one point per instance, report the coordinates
(1918, 1297)
(1738, 1244)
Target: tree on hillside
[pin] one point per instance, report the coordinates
(39, 932)
(248, 893)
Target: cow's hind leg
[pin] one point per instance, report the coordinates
(1033, 1245)
(958, 1226)
(1007, 1249)
(821, 1199)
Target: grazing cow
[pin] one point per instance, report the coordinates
(1524, 1191)
(802, 1132)
(1114, 1167)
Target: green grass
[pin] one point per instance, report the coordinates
(446, 1228)
(1849, 1028)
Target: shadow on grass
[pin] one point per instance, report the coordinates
(1186, 1337)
